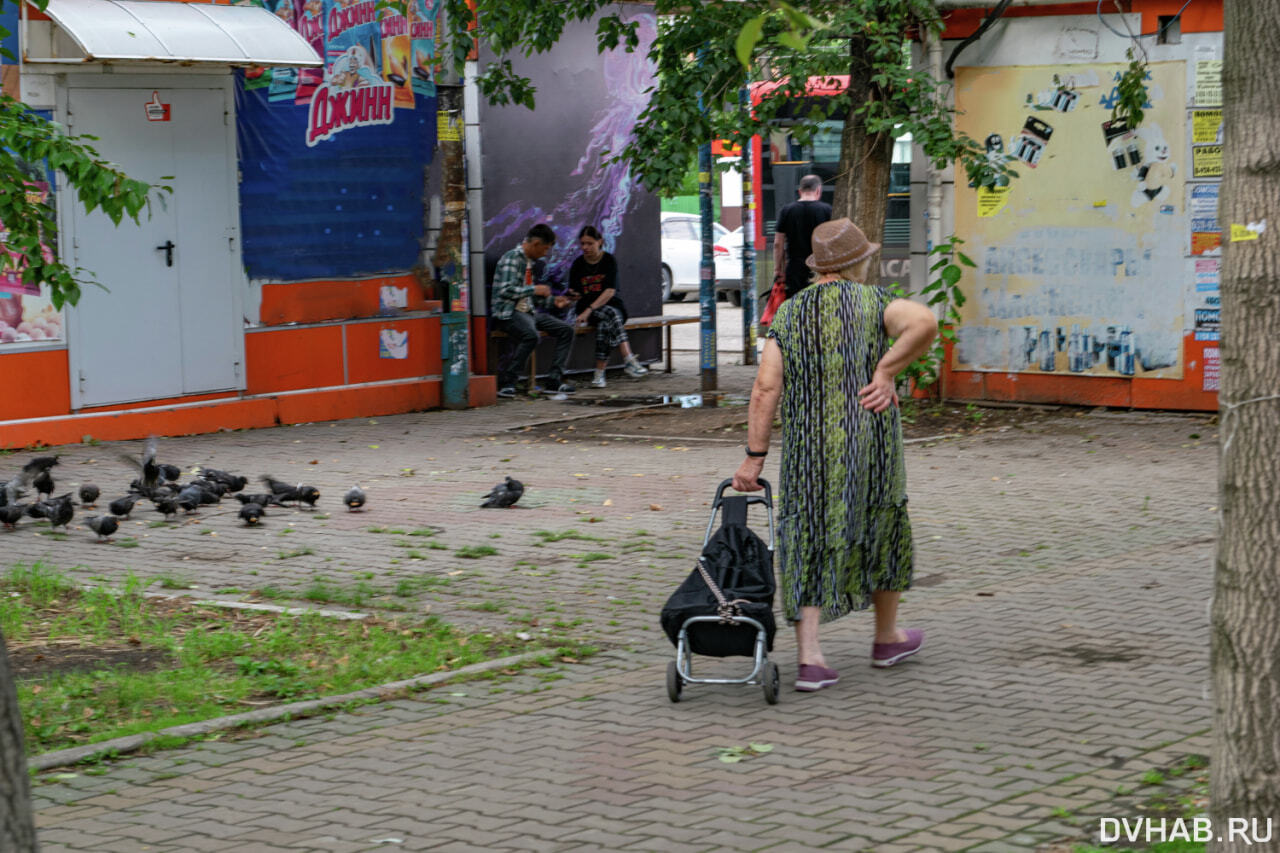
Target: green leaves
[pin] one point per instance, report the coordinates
(944, 290)
(748, 38)
(734, 754)
(27, 143)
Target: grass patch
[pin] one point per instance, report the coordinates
(408, 587)
(591, 557)
(325, 592)
(425, 531)
(557, 536)
(143, 664)
(296, 552)
(475, 552)
(171, 582)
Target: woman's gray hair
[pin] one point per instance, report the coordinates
(856, 271)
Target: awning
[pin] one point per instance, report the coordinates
(156, 31)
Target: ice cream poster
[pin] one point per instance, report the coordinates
(1083, 268)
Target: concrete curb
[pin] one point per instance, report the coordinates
(129, 743)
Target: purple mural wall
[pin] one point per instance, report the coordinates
(549, 165)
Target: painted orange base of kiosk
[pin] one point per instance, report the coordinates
(248, 412)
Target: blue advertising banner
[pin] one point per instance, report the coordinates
(332, 159)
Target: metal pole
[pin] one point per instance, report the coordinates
(749, 324)
(449, 261)
(707, 270)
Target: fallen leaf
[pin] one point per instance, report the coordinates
(36, 688)
(314, 462)
(373, 447)
(655, 507)
(607, 502)
(761, 747)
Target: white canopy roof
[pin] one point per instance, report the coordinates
(157, 31)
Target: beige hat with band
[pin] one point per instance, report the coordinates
(838, 244)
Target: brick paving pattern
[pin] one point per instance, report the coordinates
(1063, 575)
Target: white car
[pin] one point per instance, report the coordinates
(682, 257)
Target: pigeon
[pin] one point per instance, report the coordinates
(168, 505)
(39, 509)
(233, 482)
(150, 479)
(504, 494)
(190, 498)
(103, 525)
(62, 511)
(354, 499)
(40, 464)
(251, 513)
(43, 483)
(16, 487)
(89, 494)
(11, 514)
(299, 493)
(170, 472)
(121, 507)
(261, 499)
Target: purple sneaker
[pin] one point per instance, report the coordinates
(812, 678)
(887, 654)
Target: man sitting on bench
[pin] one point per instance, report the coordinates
(513, 293)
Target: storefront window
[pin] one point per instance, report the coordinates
(26, 314)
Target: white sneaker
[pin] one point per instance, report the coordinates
(597, 381)
(635, 368)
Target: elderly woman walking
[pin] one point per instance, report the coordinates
(844, 536)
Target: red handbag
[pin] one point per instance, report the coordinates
(777, 296)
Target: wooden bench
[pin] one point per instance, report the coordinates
(655, 322)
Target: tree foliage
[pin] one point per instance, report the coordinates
(700, 53)
(31, 145)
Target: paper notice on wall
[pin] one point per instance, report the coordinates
(1206, 161)
(1206, 127)
(1212, 368)
(1209, 83)
(391, 297)
(1208, 274)
(393, 344)
(991, 200)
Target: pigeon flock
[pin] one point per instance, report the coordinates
(159, 483)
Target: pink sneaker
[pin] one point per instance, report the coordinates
(887, 654)
(812, 678)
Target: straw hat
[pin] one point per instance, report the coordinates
(838, 244)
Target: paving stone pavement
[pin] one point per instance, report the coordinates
(1063, 575)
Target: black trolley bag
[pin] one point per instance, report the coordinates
(724, 608)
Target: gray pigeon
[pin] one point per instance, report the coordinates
(251, 513)
(11, 514)
(103, 525)
(354, 499)
(62, 510)
(89, 494)
(504, 494)
(43, 483)
(123, 506)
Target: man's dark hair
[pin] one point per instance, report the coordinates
(542, 232)
(810, 183)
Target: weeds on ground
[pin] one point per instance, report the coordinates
(196, 662)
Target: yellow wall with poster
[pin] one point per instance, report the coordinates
(1081, 259)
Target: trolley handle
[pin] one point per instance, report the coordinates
(766, 499)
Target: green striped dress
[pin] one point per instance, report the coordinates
(843, 526)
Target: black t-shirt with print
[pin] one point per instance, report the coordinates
(590, 280)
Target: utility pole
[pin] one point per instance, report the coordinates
(748, 241)
(451, 271)
(707, 288)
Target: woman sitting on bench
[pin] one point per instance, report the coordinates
(594, 277)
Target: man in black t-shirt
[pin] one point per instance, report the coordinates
(794, 229)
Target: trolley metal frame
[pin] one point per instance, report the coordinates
(763, 671)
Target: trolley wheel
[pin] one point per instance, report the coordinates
(675, 684)
(772, 683)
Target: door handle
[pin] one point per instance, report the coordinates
(167, 248)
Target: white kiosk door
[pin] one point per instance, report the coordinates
(168, 322)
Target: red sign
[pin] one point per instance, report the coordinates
(155, 110)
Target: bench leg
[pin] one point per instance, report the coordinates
(668, 349)
(533, 370)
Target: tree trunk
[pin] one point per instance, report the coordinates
(862, 186)
(1245, 767)
(17, 825)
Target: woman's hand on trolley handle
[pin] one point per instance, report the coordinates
(747, 477)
